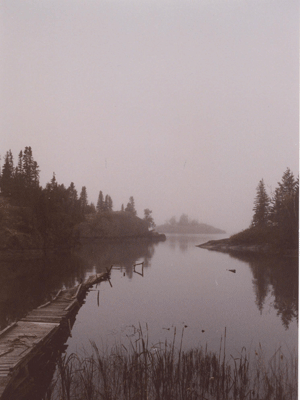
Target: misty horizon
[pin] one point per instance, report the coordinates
(183, 105)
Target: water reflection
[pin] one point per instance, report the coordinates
(185, 242)
(24, 285)
(277, 278)
(123, 255)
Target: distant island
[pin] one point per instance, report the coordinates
(185, 225)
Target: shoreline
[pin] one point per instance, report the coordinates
(228, 246)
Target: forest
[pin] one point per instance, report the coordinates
(54, 211)
(50, 213)
(187, 225)
(275, 218)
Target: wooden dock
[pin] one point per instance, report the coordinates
(24, 340)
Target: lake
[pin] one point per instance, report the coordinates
(180, 285)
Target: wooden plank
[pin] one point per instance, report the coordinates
(60, 313)
(78, 290)
(58, 308)
(54, 320)
(58, 293)
(48, 310)
(48, 315)
(8, 328)
(44, 305)
(30, 352)
(23, 340)
(74, 302)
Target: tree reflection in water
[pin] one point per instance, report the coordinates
(100, 255)
(184, 242)
(278, 277)
(25, 284)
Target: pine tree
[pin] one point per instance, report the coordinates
(108, 204)
(53, 182)
(130, 206)
(261, 206)
(83, 199)
(285, 209)
(7, 174)
(73, 196)
(100, 203)
(19, 169)
(148, 218)
(30, 169)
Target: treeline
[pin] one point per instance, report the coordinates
(276, 216)
(54, 210)
(187, 225)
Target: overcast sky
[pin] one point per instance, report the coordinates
(183, 104)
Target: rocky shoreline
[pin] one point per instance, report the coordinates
(228, 246)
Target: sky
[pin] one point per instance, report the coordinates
(183, 104)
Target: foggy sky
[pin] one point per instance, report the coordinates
(184, 105)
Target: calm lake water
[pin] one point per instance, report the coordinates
(183, 286)
(179, 286)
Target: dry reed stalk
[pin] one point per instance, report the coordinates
(161, 371)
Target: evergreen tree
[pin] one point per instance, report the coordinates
(73, 196)
(35, 174)
(91, 209)
(73, 201)
(261, 206)
(285, 209)
(130, 206)
(30, 169)
(183, 220)
(83, 200)
(100, 203)
(148, 218)
(108, 204)
(19, 169)
(7, 174)
(53, 182)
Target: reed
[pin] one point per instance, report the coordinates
(165, 371)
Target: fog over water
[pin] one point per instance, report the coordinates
(184, 105)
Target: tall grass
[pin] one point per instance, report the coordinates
(165, 371)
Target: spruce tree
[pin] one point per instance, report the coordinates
(73, 196)
(110, 203)
(130, 206)
(285, 209)
(29, 169)
(261, 206)
(148, 218)
(7, 174)
(83, 199)
(100, 202)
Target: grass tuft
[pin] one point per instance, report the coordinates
(164, 371)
